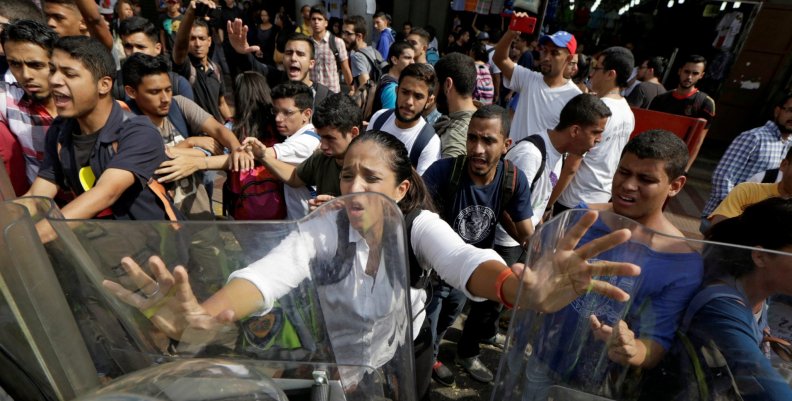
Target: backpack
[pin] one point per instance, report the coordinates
(508, 185)
(377, 66)
(334, 49)
(770, 176)
(537, 141)
(688, 373)
(426, 134)
(366, 94)
(254, 195)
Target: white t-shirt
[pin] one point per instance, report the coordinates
(430, 154)
(593, 180)
(527, 158)
(493, 67)
(539, 106)
(294, 150)
(359, 317)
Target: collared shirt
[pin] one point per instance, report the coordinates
(759, 149)
(326, 70)
(28, 121)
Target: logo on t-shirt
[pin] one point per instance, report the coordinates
(474, 223)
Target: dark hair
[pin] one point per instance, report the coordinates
(658, 64)
(461, 69)
(784, 99)
(695, 59)
(422, 33)
(421, 72)
(407, 23)
(338, 111)
(91, 53)
(584, 110)
(136, 24)
(319, 9)
(25, 30)
(383, 15)
(620, 60)
(479, 51)
(396, 50)
(417, 196)
(493, 111)
(359, 23)
(298, 37)
(253, 101)
(21, 9)
(495, 35)
(300, 92)
(764, 224)
(139, 65)
(200, 22)
(658, 144)
(584, 68)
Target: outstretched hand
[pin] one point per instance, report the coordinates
(169, 302)
(237, 35)
(620, 340)
(558, 278)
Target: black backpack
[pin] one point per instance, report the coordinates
(376, 67)
(537, 141)
(334, 49)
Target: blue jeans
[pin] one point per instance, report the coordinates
(444, 307)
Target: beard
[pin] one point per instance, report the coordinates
(442, 102)
(405, 119)
(784, 128)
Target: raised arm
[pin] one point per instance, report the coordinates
(96, 24)
(501, 55)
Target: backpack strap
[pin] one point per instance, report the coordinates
(703, 297)
(509, 183)
(450, 189)
(419, 275)
(770, 176)
(380, 121)
(426, 134)
(537, 141)
(179, 121)
(174, 83)
(313, 134)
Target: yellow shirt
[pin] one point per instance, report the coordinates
(744, 195)
(305, 29)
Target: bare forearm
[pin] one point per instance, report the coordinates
(183, 37)
(239, 296)
(283, 171)
(501, 55)
(568, 171)
(96, 24)
(482, 282)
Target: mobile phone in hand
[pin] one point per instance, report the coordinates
(522, 24)
(201, 9)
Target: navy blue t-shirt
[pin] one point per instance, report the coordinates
(477, 209)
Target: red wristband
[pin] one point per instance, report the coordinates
(506, 273)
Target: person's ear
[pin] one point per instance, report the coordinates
(158, 48)
(307, 113)
(354, 132)
(105, 85)
(402, 189)
(448, 84)
(130, 91)
(507, 142)
(759, 258)
(676, 186)
(312, 63)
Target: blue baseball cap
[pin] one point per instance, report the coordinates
(562, 39)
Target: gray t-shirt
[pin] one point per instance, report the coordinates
(360, 65)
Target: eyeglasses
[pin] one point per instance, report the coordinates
(348, 33)
(285, 113)
(781, 347)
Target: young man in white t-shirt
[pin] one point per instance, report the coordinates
(415, 91)
(589, 179)
(542, 95)
(292, 104)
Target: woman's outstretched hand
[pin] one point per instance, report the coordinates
(169, 302)
(558, 278)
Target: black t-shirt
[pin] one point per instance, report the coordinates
(83, 146)
(697, 105)
(207, 84)
(170, 25)
(643, 94)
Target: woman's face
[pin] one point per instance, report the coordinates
(264, 15)
(367, 169)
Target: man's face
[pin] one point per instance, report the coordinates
(599, 76)
(690, 74)
(783, 117)
(641, 186)
(553, 59)
(318, 23)
(125, 11)
(334, 143)
(306, 13)
(140, 43)
(29, 63)
(297, 60)
(584, 138)
(74, 88)
(64, 20)
(485, 145)
(288, 118)
(406, 58)
(173, 6)
(643, 72)
(349, 36)
(418, 45)
(411, 98)
(154, 94)
(572, 67)
(200, 41)
(380, 24)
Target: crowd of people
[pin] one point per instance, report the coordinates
(480, 140)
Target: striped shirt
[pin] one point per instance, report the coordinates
(759, 149)
(28, 121)
(485, 90)
(325, 70)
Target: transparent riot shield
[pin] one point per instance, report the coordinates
(583, 351)
(322, 313)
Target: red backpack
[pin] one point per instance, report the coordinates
(254, 195)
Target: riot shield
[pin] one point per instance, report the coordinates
(576, 354)
(331, 320)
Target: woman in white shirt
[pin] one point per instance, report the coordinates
(378, 162)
